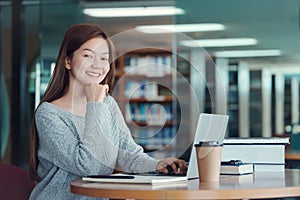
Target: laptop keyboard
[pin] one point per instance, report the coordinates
(155, 173)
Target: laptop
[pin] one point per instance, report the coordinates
(210, 127)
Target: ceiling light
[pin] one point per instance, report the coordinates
(152, 29)
(247, 53)
(133, 11)
(224, 42)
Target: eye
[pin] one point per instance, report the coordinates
(105, 59)
(88, 56)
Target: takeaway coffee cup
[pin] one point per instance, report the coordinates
(209, 160)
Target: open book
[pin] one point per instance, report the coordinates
(141, 179)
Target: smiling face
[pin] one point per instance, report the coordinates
(90, 63)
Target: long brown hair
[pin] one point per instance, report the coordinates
(74, 37)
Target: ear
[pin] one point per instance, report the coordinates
(68, 63)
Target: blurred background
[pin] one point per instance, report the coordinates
(234, 57)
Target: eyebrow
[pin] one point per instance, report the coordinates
(87, 49)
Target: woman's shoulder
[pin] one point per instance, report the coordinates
(49, 108)
(45, 106)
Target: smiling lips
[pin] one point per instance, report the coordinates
(93, 74)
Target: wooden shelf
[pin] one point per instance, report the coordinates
(144, 124)
(160, 99)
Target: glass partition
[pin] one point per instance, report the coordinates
(5, 66)
(14, 143)
(241, 85)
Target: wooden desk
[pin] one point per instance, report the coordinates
(258, 185)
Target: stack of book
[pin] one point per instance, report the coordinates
(236, 167)
(267, 154)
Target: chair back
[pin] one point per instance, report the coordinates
(15, 183)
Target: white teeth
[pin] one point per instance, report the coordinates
(93, 74)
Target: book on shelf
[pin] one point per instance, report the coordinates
(139, 89)
(134, 179)
(150, 113)
(236, 168)
(155, 66)
(154, 137)
(267, 154)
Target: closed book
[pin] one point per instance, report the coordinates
(266, 152)
(236, 168)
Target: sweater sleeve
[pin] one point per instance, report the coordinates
(131, 157)
(91, 152)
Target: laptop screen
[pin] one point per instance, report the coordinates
(210, 127)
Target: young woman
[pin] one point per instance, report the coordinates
(78, 128)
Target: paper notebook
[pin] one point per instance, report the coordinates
(134, 179)
(137, 186)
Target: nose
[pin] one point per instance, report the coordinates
(97, 65)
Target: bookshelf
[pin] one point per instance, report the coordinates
(144, 91)
(255, 106)
(287, 101)
(233, 101)
(157, 107)
(249, 102)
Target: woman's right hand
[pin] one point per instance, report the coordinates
(178, 166)
(96, 92)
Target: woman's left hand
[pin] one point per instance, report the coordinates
(178, 166)
(96, 92)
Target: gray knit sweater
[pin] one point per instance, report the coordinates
(71, 146)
